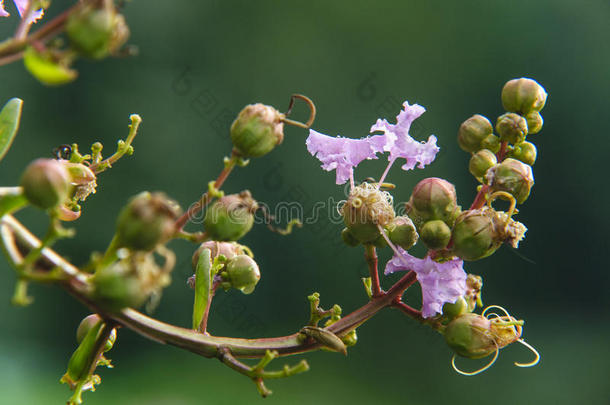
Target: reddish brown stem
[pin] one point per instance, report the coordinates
(370, 255)
(410, 311)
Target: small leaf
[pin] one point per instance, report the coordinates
(10, 116)
(48, 71)
(203, 286)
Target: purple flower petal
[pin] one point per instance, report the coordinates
(440, 282)
(401, 145)
(3, 12)
(22, 6)
(343, 154)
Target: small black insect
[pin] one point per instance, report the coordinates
(63, 152)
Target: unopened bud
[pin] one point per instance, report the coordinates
(452, 310)
(46, 183)
(365, 210)
(525, 152)
(475, 234)
(402, 232)
(523, 96)
(435, 234)
(147, 221)
(473, 131)
(481, 161)
(468, 335)
(257, 130)
(243, 273)
(534, 122)
(512, 176)
(87, 324)
(431, 199)
(231, 217)
(511, 127)
(227, 249)
(492, 143)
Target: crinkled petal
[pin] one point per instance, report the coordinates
(440, 282)
(342, 154)
(22, 6)
(400, 144)
(3, 12)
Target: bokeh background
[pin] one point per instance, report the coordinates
(201, 62)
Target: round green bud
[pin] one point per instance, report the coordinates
(525, 152)
(365, 210)
(534, 122)
(46, 183)
(492, 143)
(481, 161)
(118, 287)
(435, 234)
(475, 235)
(146, 221)
(85, 326)
(402, 232)
(231, 217)
(350, 339)
(473, 131)
(257, 130)
(523, 96)
(227, 249)
(452, 310)
(96, 32)
(243, 273)
(511, 127)
(468, 335)
(512, 176)
(431, 199)
(348, 238)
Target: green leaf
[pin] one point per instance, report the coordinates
(47, 70)
(11, 199)
(203, 286)
(10, 116)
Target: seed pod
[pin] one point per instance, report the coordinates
(525, 152)
(512, 128)
(231, 217)
(435, 234)
(512, 176)
(473, 131)
(365, 209)
(481, 161)
(46, 183)
(257, 130)
(523, 96)
(146, 221)
(243, 273)
(432, 199)
(402, 232)
(469, 336)
(476, 234)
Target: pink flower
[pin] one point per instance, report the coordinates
(400, 144)
(342, 154)
(22, 6)
(440, 282)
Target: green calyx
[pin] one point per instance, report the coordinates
(525, 152)
(513, 176)
(433, 199)
(469, 336)
(402, 232)
(257, 130)
(231, 217)
(511, 128)
(242, 273)
(476, 234)
(480, 162)
(435, 234)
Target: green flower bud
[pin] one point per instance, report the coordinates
(46, 183)
(146, 221)
(469, 336)
(431, 199)
(512, 176)
(523, 96)
(473, 131)
(83, 179)
(452, 310)
(525, 152)
(257, 130)
(227, 249)
(435, 234)
(348, 238)
(243, 273)
(534, 122)
(350, 339)
(129, 282)
(96, 32)
(492, 143)
(511, 127)
(402, 232)
(366, 208)
(476, 234)
(481, 161)
(87, 324)
(231, 217)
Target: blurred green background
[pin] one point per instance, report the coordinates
(201, 62)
